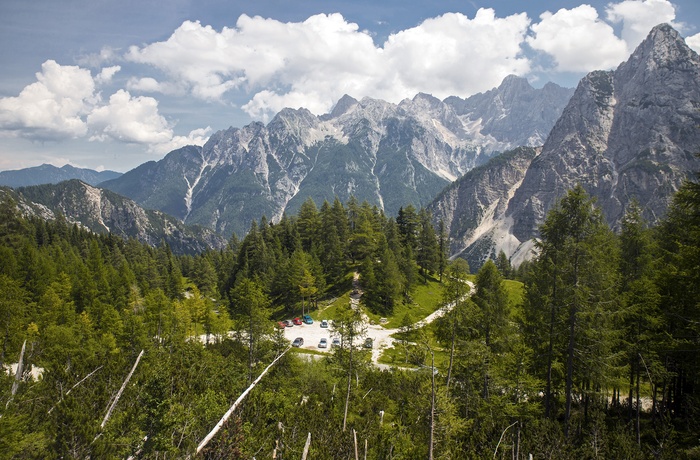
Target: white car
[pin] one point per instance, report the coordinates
(323, 343)
(324, 323)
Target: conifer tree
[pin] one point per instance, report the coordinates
(427, 250)
(491, 298)
(250, 308)
(640, 305)
(571, 299)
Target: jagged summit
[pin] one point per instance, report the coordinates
(514, 111)
(663, 50)
(342, 106)
(512, 86)
(628, 134)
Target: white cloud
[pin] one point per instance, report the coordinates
(151, 85)
(51, 108)
(129, 119)
(314, 62)
(638, 17)
(455, 55)
(63, 103)
(578, 40)
(694, 42)
(106, 55)
(106, 74)
(195, 137)
(136, 120)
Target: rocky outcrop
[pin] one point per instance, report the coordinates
(627, 134)
(515, 112)
(473, 208)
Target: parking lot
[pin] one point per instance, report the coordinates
(312, 334)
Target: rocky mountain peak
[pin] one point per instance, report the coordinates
(663, 50)
(344, 105)
(628, 134)
(513, 86)
(427, 100)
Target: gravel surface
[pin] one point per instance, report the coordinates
(312, 333)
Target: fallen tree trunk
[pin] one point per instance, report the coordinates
(228, 413)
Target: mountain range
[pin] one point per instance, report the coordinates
(49, 174)
(489, 166)
(389, 154)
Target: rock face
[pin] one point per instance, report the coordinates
(628, 134)
(515, 112)
(391, 155)
(49, 174)
(473, 208)
(103, 211)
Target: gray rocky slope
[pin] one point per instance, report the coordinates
(626, 134)
(103, 211)
(388, 154)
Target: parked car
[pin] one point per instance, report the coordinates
(281, 324)
(324, 323)
(323, 343)
(298, 342)
(369, 342)
(308, 319)
(289, 323)
(297, 321)
(336, 342)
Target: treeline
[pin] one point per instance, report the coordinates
(598, 359)
(301, 258)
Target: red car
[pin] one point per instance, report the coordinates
(297, 321)
(281, 324)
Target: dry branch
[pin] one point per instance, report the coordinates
(228, 413)
(73, 387)
(306, 447)
(119, 394)
(18, 374)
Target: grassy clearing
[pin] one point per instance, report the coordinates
(516, 291)
(327, 309)
(425, 298)
(410, 349)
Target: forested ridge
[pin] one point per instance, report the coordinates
(141, 352)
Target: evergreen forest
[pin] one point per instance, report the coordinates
(114, 349)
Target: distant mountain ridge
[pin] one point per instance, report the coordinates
(388, 154)
(626, 134)
(103, 211)
(49, 174)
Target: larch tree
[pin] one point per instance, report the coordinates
(576, 273)
(250, 307)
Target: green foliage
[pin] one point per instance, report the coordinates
(505, 382)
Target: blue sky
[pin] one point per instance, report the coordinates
(110, 85)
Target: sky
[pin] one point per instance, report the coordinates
(106, 84)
